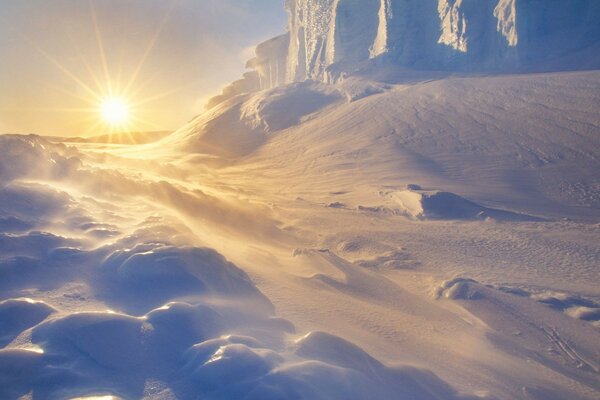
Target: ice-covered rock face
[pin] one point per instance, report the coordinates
(442, 34)
(312, 26)
(329, 39)
(325, 32)
(548, 30)
(270, 61)
(477, 35)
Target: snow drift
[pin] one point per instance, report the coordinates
(240, 125)
(423, 204)
(141, 314)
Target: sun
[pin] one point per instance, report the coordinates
(115, 111)
(115, 104)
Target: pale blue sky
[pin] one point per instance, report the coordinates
(203, 45)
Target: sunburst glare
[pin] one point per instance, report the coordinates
(113, 105)
(115, 111)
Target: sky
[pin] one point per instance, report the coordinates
(61, 59)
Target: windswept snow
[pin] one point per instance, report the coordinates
(374, 232)
(145, 311)
(315, 241)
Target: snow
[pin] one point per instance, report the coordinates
(314, 241)
(421, 204)
(374, 232)
(242, 123)
(144, 315)
(171, 272)
(20, 314)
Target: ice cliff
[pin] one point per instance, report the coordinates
(328, 39)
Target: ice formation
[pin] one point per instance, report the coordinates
(329, 39)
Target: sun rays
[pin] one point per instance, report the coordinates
(112, 103)
(115, 111)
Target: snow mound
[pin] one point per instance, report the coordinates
(178, 326)
(110, 340)
(117, 353)
(423, 205)
(37, 259)
(200, 350)
(17, 369)
(390, 260)
(35, 157)
(561, 300)
(498, 141)
(18, 315)
(220, 131)
(230, 367)
(529, 328)
(574, 306)
(30, 204)
(328, 367)
(334, 350)
(34, 243)
(585, 313)
(458, 289)
(149, 275)
(281, 108)
(241, 124)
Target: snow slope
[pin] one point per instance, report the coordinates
(525, 143)
(396, 236)
(505, 148)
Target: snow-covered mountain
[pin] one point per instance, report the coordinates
(329, 39)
